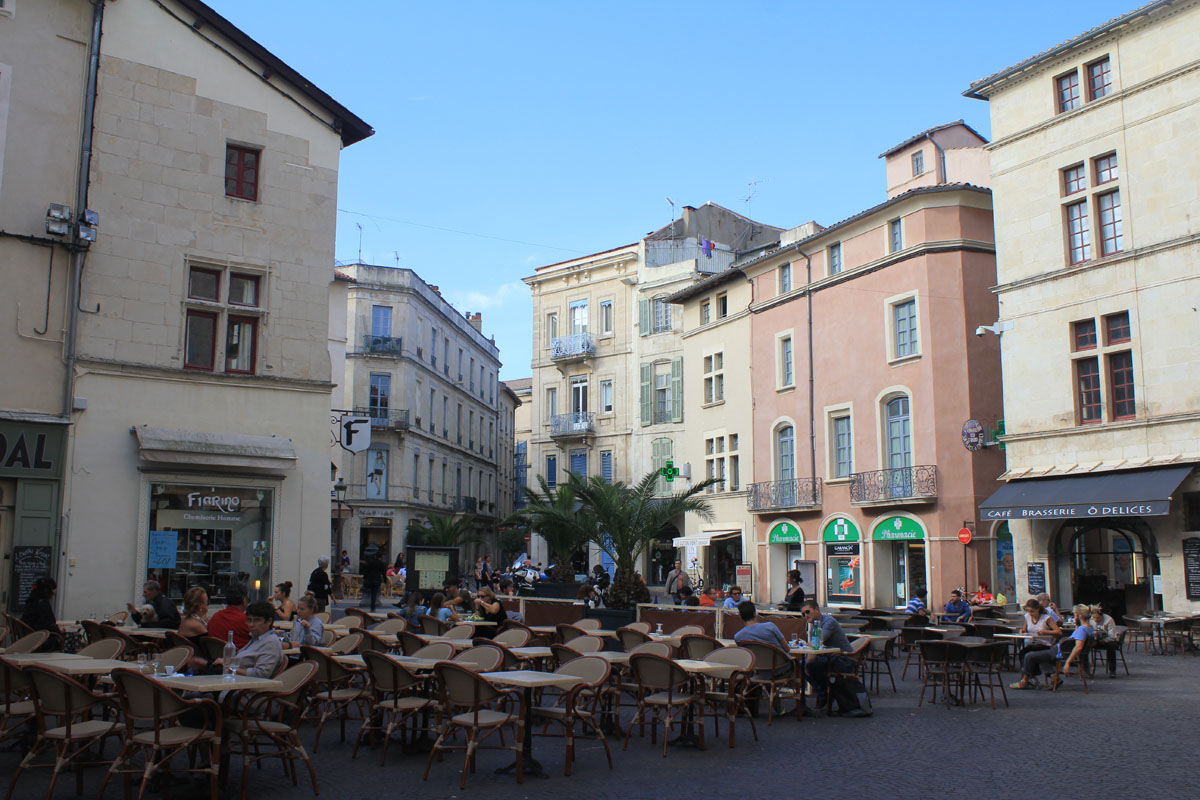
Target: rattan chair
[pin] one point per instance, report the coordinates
(29, 643)
(685, 630)
(513, 637)
(337, 689)
(698, 645)
(984, 663)
(728, 698)
(578, 704)
(667, 693)
(269, 719)
(463, 630)
(363, 617)
(567, 631)
(105, 648)
(432, 626)
(777, 674)
(391, 625)
(16, 701)
(642, 627)
(945, 669)
(155, 729)
(878, 660)
(482, 658)
(1139, 633)
(466, 702)
(119, 617)
(587, 644)
(589, 624)
(370, 641)
(346, 645)
(630, 637)
(409, 642)
(435, 651)
(393, 701)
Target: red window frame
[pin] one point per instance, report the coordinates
(1099, 78)
(1078, 232)
(1083, 335)
(1116, 328)
(216, 298)
(1108, 212)
(1067, 88)
(1120, 383)
(212, 346)
(1087, 390)
(252, 279)
(229, 328)
(242, 168)
(1074, 179)
(1105, 168)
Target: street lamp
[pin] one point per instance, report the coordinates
(339, 496)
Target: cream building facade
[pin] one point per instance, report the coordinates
(181, 397)
(1096, 176)
(427, 378)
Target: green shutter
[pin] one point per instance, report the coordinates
(643, 318)
(677, 389)
(647, 395)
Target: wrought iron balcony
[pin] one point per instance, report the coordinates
(577, 423)
(466, 504)
(382, 345)
(794, 493)
(899, 486)
(382, 417)
(573, 346)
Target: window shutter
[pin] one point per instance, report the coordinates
(647, 396)
(606, 466)
(643, 317)
(677, 389)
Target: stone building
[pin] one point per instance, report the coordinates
(168, 206)
(1096, 181)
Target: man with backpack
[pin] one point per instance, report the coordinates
(850, 693)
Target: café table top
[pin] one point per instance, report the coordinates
(218, 683)
(32, 658)
(530, 652)
(530, 679)
(410, 663)
(295, 651)
(145, 633)
(1021, 635)
(612, 656)
(458, 644)
(949, 631)
(287, 625)
(698, 667)
(814, 651)
(84, 666)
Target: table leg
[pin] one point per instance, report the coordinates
(529, 765)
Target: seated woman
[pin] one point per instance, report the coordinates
(194, 624)
(983, 597)
(439, 609)
(1107, 640)
(413, 609)
(307, 627)
(1037, 623)
(1038, 660)
(488, 606)
(285, 609)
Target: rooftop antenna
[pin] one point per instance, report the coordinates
(359, 226)
(396, 253)
(753, 185)
(672, 202)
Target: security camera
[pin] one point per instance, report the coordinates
(980, 331)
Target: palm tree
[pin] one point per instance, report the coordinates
(625, 520)
(444, 530)
(555, 515)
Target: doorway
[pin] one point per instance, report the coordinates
(1107, 563)
(908, 571)
(8, 501)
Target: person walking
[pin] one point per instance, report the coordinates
(373, 575)
(677, 579)
(318, 583)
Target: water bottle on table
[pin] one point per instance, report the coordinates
(228, 657)
(816, 636)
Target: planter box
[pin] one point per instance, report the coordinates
(612, 618)
(561, 591)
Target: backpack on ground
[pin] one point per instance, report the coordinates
(851, 697)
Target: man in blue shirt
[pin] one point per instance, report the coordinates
(734, 599)
(817, 668)
(916, 604)
(957, 610)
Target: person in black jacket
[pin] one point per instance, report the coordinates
(39, 606)
(794, 599)
(166, 615)
(373, 575)
(318, 583)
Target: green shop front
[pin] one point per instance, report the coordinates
(900, 558)
(841, 542)
(31, 469)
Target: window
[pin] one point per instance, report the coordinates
(705, 312)
(458, 425)
(471, 375)
(661, 392)
(1079, 236)
(787, 376)
(785, 453)
(1084, 334)
(843, 447)
(445, 417)
(785, 278)
(222, 307)
(1087, 382)
(1116, 327)
(918, 163)
(904, 328)
(1099, 79)
(379, 399)
(432, 400)
(1108, 207)
(1068, 91)
(429, 482)
(895, 236)
(1120, 382)
(1074, 179)
(606, 465)
(722, 306)
(606, 396)
(606, 317)
(416, 487)
(579, 316)
(551, 471)
(445, 356)
(433, 348)
(579, 394)
(1106, 168)
(662, 316)
(551, 334)
(898, 433)
(714, 378)
(241, 172)
(420, 338)
(721, 463)
(381, 321)
(551, 402)
(662, 451)
(835, 258)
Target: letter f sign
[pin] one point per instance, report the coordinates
(355, 433)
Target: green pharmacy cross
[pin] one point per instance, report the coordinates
(669, 471)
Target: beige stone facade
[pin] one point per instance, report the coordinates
(1096, 179)
(197, 423)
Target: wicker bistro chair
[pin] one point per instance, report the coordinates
(364, 618)
(394, 700)
(324, 616)
(270, 719)
(589, 624)
(945, 668)
(370, 641)
(119, 617)
(466, 702)
(133, 647)
(63, 709)
(16, 700)
(210, 648)
(1080, 666)
(984, 663)
(587, 644)
(155, 728)
(436, 651)
(391, 625)
(432, 626)
(346, 645)
(482, 658)
(408, 642)
(29, 643)
(776, 671)
(353, 621)
(578, 704)
(562, 653)
(337, 689)
(697, 645)
(643, 627)
(912, 653)
(3, 634)
(462, 630)
(667, 694)
(728, 699)
(878, 661)
(630, 637)
(566, 631)
(513, 637)
(105, 648)
(1139, 633)
(176, 657)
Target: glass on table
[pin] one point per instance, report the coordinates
(141, 662)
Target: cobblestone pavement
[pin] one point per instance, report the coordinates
(1129, 736)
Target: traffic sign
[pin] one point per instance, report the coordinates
(964, 535)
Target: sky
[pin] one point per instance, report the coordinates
(511, 135)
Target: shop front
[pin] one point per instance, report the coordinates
(842, 545)
(31, 468)
(900, 558)
(786, 547)
(711, 557)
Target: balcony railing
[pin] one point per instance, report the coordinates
(663, 413)
(899, 485)
(466, 504)
(791, 493)
(382, 417)
(577, 423)
(382, 345)
(576, 345)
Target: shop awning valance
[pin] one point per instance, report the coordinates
(218, 452)
(1129, 493)
(704, 538)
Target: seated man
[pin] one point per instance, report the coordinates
(165, 615)
(687, 598)
(232, 617)
(956, 609)
(831, 636)
(734, 599)
(263, 654)
(709, 597)
(755, 629)
(916, 604)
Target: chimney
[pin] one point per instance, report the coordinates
(476, 321)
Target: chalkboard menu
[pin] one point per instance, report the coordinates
(30, 562)
(1191, 567)
(428, 568)
(1037, 577)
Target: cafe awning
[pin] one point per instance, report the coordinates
(1130, 493)
(704, 538)
(218, 452)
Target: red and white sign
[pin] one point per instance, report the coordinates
(964, 535)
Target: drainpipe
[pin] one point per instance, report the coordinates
(812, 389)
(941, 165)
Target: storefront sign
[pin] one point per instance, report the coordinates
(1191, 567)
(972, 435)
(30, 562)
(1037, 577)
(162, 550)
(743, 575)
(28, 450)
(1150, 508)
(898, 529)
(785, 533)
(840, 530)
(848, 549)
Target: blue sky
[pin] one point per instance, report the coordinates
(516, 134)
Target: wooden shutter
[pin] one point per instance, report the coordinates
(647, 394)
(677, 389)
(643, 317)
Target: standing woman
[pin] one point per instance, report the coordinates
(39, 606)
(794, 599)
(285, 609)
(318, 583)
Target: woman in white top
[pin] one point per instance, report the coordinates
(1106, 637)
(1037, 623)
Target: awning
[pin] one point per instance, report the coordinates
(1132, 493)
(704, 538)
(220, 452)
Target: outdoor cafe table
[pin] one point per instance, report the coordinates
(803, 653)
(20, 659)
(529, 680)
(83, 666)
(1158, 633)
(531, 653)
(411, 663)
(457, 644)
(217, 683)
(949, 632)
